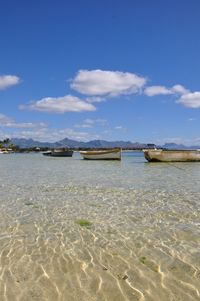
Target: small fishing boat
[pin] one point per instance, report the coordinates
(47, 153)
(6, 151)
(109, 154)
(159, 155)
(59, 152)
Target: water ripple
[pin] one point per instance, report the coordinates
(138, 244)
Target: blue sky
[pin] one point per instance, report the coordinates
(100, 69)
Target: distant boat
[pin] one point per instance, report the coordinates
(109, 154)
(6, 151)
(157, 155)
(3, 152)
(47, 153)
(59, 152)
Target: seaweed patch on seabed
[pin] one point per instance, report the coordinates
(32, 205)
(149, 263)
(83, 223)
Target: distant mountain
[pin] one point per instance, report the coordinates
(110, 144)
(179, 146)
(28, 143)
(70, 143)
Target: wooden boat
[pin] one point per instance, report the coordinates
(159, 155)
(109, 154)
(59, 152)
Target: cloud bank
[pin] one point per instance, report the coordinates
(8, 122)
(49, 134)
(39, 131)
(100, 85)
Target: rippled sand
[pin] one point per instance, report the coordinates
(139, 246)
(142, 242)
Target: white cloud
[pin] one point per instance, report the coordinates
(186, 98)
(162, 90)
(119, 127)
(95, 99)
(89, 123)
(4, 119)
(107, 83)
(190, 100)
(53, 135)
(84, 125)
(8, 122)
(63, 104)
(157, 90)
(179, 89)
(79, 136)
(26, 125)
(178, 140)
(101, 122)
(7, 81)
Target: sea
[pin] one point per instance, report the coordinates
(79, 230)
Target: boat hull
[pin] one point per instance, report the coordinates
(102, 155)
(172, 155)
(59, 154)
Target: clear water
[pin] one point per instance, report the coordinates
(143, 242)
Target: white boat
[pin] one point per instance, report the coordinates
(159, 155)
(5, 151)
(109, 154)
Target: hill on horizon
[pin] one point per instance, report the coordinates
(66, 142)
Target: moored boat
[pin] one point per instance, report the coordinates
(159, 155)
(109, 154)
(6, 151)
(47, 153)
(59, 152)
(3, 152)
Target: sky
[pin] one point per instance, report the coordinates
(100, 69)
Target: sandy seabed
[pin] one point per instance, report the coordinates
(139, 245)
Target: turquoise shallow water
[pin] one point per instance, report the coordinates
(143, 242)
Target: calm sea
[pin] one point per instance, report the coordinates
(77, 230)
